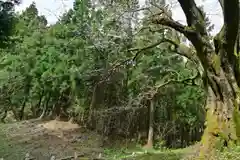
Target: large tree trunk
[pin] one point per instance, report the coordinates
(222, 115)
(220, 70)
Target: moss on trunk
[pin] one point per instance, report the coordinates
(222, 130)
(236, 118)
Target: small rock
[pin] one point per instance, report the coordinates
(53, 158)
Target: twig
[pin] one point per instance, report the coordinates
(72, 157)
(145, 48)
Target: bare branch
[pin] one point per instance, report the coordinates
(188, 81)
(194, 15)
(183, 50)
(54, 14)
(133, 11)
(180, 49)
(163, 9)
(144, 49)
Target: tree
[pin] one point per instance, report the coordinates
(28, 26)
(220, 70)
(87, 61)
(6, 20)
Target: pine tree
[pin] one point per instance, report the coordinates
(7, 20)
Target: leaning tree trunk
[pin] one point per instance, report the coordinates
(220, 128)
(222, 116)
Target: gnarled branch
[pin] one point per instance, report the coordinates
(187, 81)
(196, 29)
(169, 22)
(180, 49)
(194, 15)
(140, 50)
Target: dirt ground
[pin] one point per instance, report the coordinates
(45, 139)
(42, 140)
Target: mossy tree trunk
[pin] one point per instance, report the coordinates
(219, 68)
(221, 125)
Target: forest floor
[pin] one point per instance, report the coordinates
(62, 139)
(45, 139)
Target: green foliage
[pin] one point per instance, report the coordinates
(7, 21)
(84, 62)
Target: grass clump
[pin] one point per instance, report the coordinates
(142, 154)
(232, 153)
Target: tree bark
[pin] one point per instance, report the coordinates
(45, 107)
(220, 128)
(149, 144)
(221, 72)
(21, 113)
(222, 110)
